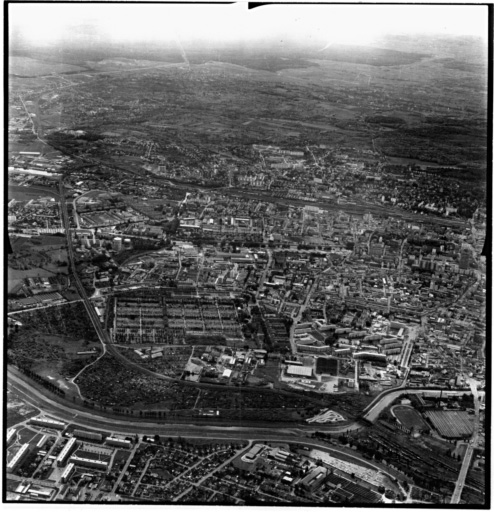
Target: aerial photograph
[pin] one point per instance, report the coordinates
(247, 254)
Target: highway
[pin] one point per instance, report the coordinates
(77, 414)
(85, 418)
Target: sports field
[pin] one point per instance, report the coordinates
(327, 365)
(409, 417)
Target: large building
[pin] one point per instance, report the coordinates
(299, 371)
(86, 434)
(67, 473)
(67, 449)
(90, 463)
(465, 257)
(117, 244)
(116, 441)
(46, 422)
(18, 458)
(314, 479)
(10, 436)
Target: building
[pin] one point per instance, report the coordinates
(42, 442)
(62, 456)
(299, 371)
(85, 434)
(314, 479)
(465, 257)
(117, 244)
(46, 422)
(90, 463)
(18, 458)
(67, 473)
(253, 453)
(116, 441)
(10, 436)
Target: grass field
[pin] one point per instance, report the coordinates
(27, 193)
(26, 435)
(269, 372)
(17, 410)
(409, 417)
(121, 457)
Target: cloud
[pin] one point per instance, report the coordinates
(303, 23)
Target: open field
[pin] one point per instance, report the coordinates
(49, 340)
(17, 410)
(269, 372)
(31, 145)
(26, 435)
(37, 256)
(27, 193)
(34, 272)
(25, 66)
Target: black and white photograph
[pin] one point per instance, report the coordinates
(247, 254)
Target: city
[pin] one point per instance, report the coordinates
(247, 277)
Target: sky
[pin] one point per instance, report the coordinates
(307, 24)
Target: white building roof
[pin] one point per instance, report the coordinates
(302, 371)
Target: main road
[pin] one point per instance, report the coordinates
(102, 335)
(470, 447)
(73, 413)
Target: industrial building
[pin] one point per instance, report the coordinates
(314, 479)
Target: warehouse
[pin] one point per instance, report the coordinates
(299, 371)
(253, 453)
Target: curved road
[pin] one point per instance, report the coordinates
(72, 413)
